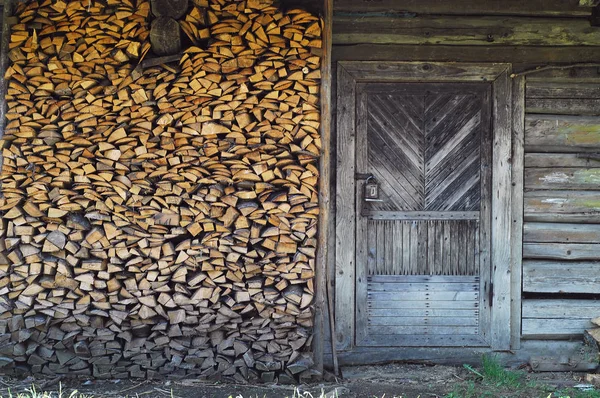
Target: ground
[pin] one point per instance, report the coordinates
(389, 381)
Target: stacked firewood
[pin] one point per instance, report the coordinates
(160, 221)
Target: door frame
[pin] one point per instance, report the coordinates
(349, 73)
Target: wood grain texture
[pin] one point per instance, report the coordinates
(475, 31)
(562, 134)
(561, 233)
(556, 319)
(562, 251)
(544, 276)
(518, 154)
(345, 208)
(562, 206)
(501, 214)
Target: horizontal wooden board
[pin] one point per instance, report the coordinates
(554, 90)
(419, 296)
(460, 7)
(562, 206)
(562, 251)
(562, 178)
(401, 305)
(561, 232)
(563, 106)
(445, 53)
(561, 276)
(443, 279)
(560, 160)
(548, 328)
(477, 31)
(548, 319)
(435, 330)
(422, 287)
(562, 134)
(421, 215)
(396, 315)
(411, 340)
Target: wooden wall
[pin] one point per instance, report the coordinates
(529, 35)
(561, 235)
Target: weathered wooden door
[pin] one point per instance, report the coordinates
(423, 249)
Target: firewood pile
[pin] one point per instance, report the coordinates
(160, 221)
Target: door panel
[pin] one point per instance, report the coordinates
(428, 146)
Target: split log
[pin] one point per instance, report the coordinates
(169, 8)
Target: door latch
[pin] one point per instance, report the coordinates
(371, 193)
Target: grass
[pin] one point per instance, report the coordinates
(32, 392)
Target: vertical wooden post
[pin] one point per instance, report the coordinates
(518, 155)
(323, 283)
(501, 213)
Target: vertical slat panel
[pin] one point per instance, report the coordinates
(431, 247)
(406, 249)
(462, 250)
(372, 248)
(414, 248)
(380, 248)
(447, 248)
(439, 248)
(454, 249)
(422, 246)
(389, 247)
(398, 245)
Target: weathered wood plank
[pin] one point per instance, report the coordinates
(561, 276)
(421, 215)
(419, 296)
(557, 318)
(476, 31)
(345, 209)
(501, 214)
(422, 287)
(562, 251)
(562, 206)
(563, 106)
(421, 71)
(435, 330)
(562, 178)
(518, 151)
(422, 340)
(464, 7)
(561, 233)
(457, 305)
(554, 90)
(446, 53)
(560, 160)
(397, 317)
(562, 134)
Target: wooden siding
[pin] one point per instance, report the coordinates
(561, 233)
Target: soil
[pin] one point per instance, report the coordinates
(389, 381)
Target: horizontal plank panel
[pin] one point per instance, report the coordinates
(548, 328)
(551, 89)
(557, 318)
(412, 340)
(398, 314)
(478, 31)
(440, 53)
(461, 7)
(419, 71)
(560, 160)
(562, 251)
(561, 134)
(422, 287)
(562, 178)
(433, 296)
(431, 330)
(565, 203)
(563, 106)
(561, 277)
(400, 320)
(561, 232)
(401, 305)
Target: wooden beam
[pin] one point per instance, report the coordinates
(588, 3)
(324, 286)
(474, 31)
(518, 160)
(464, 7)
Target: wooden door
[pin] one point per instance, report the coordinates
(423, 250)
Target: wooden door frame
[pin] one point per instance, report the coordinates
(349, 73)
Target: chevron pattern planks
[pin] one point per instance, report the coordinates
(424, 147)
